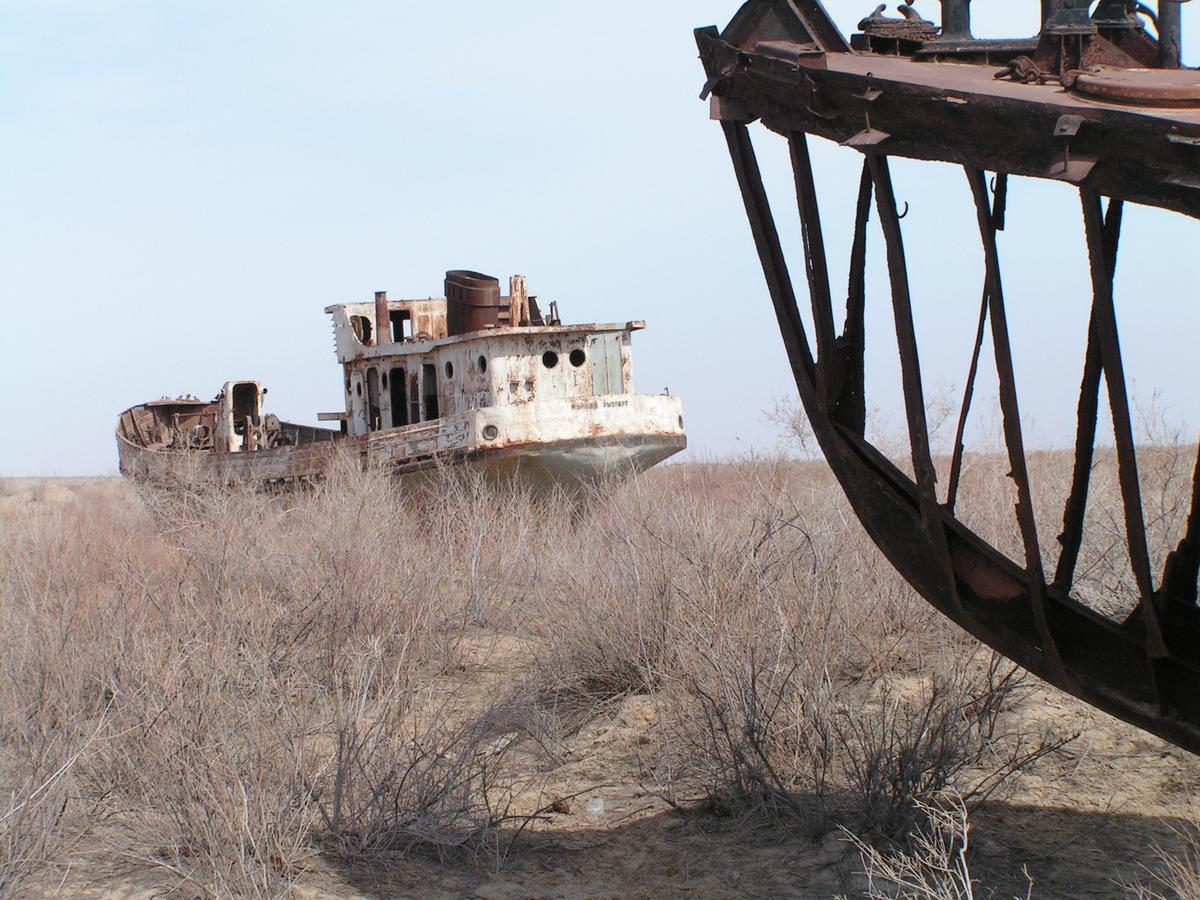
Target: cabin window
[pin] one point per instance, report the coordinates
(430, 390)
(578, 357)
(549, 359)
(361, 326)
(401, 325)
(399, 397)
(374, 415)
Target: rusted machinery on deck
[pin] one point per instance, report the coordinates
(1097, 99)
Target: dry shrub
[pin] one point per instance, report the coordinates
(258, 670)
(935, 864)
(933, 867)
(433, 783)
(488, 541)
(797, 676)
(1175, 871)
(900, 753)
(250, 684)
(33, 812)
(213, 798)
(53, 712)
(603, 609)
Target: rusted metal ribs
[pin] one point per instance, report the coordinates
(782, 63)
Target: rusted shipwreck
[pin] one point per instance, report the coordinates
(475, 378)
(1098, 99)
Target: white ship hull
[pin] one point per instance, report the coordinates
(544, 445)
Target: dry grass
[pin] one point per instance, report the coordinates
(1174, 871)
(236, 690)
(935, 864)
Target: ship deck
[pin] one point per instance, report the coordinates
(958, 82)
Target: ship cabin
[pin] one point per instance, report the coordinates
(407, 362)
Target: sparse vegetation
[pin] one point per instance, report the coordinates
(241, 692)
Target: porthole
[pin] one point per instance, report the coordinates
(384, 379)
(549, 359)
(449, 369)
(681, 423)
(577, 357)
(482, 362)
(490, 432)
(358, 388)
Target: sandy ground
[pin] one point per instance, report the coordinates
(1083, 823)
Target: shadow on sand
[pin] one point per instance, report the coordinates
(1067, 853)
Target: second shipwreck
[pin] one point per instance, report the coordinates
(476, 378)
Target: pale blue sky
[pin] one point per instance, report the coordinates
(184, 187)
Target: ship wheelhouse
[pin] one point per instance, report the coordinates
(407, 362)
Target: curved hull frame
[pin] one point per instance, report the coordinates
(1144, 670)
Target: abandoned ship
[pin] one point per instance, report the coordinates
(475, 378)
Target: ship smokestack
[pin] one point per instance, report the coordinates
(383, 325)
(473, 301)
